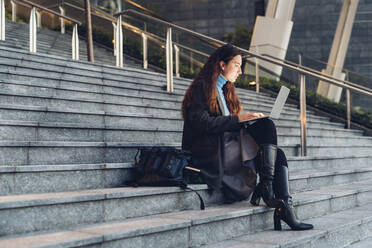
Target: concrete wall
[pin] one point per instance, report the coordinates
(211, 17)
(315, 23)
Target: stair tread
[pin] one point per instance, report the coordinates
(366, 243)
(176, 128)
(349, 188)
(132, 144)
(324, 225)
(57, 167)
(161, 222)
(25, 200)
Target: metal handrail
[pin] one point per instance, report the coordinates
(321, 73)
(293, 66)
(33, 25)
(303, 71)
(49, 10)
(153, 36)
(313, 70)
(311, 58)
(107, 17)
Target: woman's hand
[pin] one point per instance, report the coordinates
(247, 116)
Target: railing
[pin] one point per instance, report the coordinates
(145, 36)
(34, 23)
(2, 20)
(300, 65)
(301, 70)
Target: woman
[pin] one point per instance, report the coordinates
(222, 146)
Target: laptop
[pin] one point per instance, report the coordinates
(278, 105)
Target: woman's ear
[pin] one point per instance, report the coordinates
(222, 65)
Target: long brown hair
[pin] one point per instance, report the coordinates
(209, 73)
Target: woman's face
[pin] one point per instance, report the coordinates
(232, 69)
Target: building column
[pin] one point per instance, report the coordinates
(272, 32)
(338, 51)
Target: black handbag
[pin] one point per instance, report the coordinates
(165, 166)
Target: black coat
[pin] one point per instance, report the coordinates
(203, 135)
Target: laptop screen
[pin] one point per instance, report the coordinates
(279, 102)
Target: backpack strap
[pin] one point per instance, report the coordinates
(184, 186)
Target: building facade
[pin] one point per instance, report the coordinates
(315, 23)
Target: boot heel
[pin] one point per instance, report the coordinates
(277, 223)
(256, 196)
(255, 200)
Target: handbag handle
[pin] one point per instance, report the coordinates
(192, 169)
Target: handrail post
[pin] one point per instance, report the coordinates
(303, 114)
(38, 19)
(302, 109)
(114, 33)
(177, 55)
(257, 69)
(119, 43)
(348, 104)
(348, 110)
(62, 11)
(191, 62)
(2, 20)
(144, 47)
(169, 56)
(14, 10)
(33, 30)
(75, 43)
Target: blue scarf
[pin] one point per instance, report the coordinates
(220, 83)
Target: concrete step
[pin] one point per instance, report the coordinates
(113, 104)
(52, 211)
(45, 47)
(180, 84)
(33, 179)
(314, 179)
(50, 37)
(134, 100)
(338, 162)
(36, 131)
(55, 40)
(58, 43)
(270, 99)
(52, 42)
(60, 83)
(342, 229)
(193, 227)
(329, 150)
(122, 96)
(59, 152)
(83, 58)
(49, 152)
(45, 59)
(29, 123)
(141, 129)
(285, 139)
(364, 243)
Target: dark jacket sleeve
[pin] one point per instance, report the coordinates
(202, 120)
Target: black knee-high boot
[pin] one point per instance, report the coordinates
(285, 212)
(266, 170)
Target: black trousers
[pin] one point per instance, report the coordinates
(264, 132)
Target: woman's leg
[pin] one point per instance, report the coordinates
(281, 186)
(281, 189)
(263, 132)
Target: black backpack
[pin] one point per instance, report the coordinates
(166, 166)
